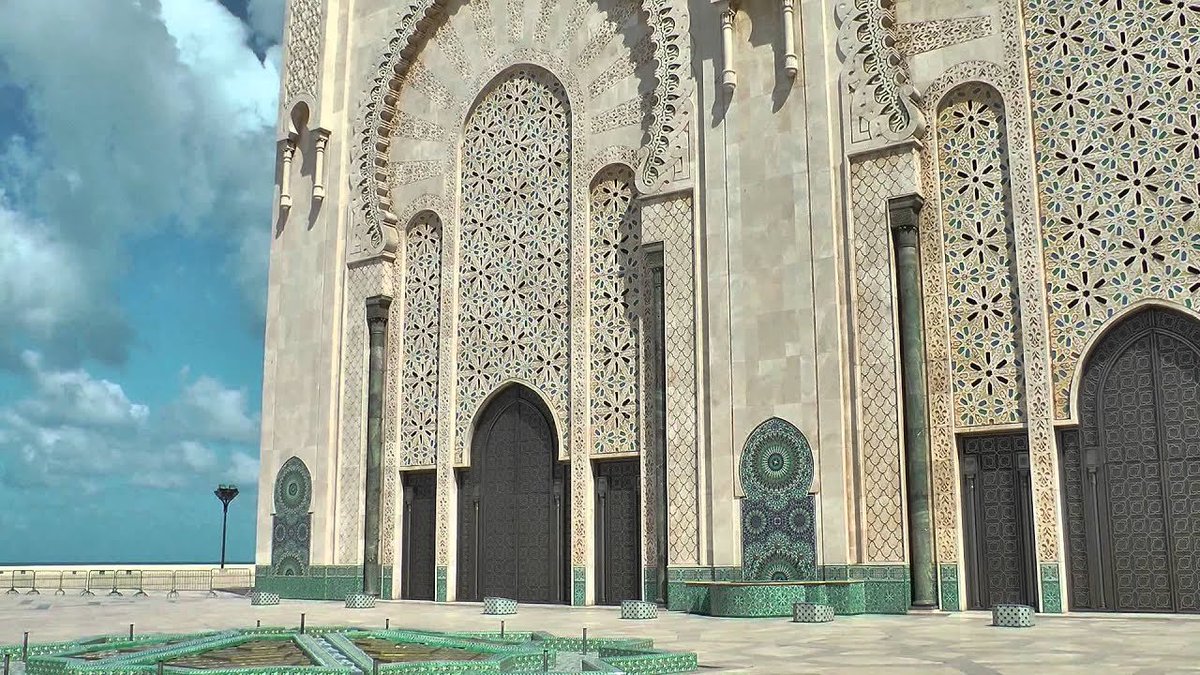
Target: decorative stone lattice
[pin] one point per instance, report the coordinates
(422, 323)
(360, 601)
(873, 181)
(615, 301)
(928, 36)
(778, 533)
(1012, 616)
(804, 612)
(983, 304)
(499, 606)
(639, 610)
(262, 598)
(1114, 87)
(514, 280)
(291, 533)
(303, 49)
(670, 222)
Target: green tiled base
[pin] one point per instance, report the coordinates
(578, 585)
(1051, 588)
(323, 582)
(948, 576)
(650, 583)
(440, 584)
(885, 589)
(747, 599)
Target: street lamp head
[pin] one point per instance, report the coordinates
(226, 493)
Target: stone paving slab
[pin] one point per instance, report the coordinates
(927, 643)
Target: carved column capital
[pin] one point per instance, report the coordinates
(904, 214)
(377, 312)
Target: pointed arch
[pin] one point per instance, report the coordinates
(778, 513)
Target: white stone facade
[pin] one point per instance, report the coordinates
(756, 144)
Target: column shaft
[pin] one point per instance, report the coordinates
(377, 319)
(903, 214)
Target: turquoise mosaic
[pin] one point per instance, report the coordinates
(440, 584)
(579, 586)
(650, 583)
(343, 651)
(1051, 589)
(320, 582)
(884, 589)
(776, 599)
(778, 534)
(948, 580)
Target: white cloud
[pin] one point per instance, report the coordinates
(266, 18)
(39, 276)
(75, 397)
(146, 116)
(78, 433)
(209, 409)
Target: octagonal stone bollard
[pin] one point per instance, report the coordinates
(499, 606)
(807, 612)
(1012, 616)
(264, 598)
(360, 601)
(638, 609)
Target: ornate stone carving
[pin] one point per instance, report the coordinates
(515, 276)
(303, 49)
(422, 325)
(883, 105)
(873, 180)
(615, 302)
(928, 36)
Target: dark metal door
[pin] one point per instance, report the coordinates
(1132, 472)
(420, 531)
(512, 507)
(998, 521)
(618, 532)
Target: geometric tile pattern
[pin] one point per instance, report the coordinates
(984, 320)
(360, 601)
(803, 612)
(1115, 90)
(303, 47)
(638, 609)
(948, 578)
(422, 322)
(778, 533)
(499, 606)
(514, 281)
(291, 537)
(1012, 616)
(615, 302)
(873, 181)
(670, 222)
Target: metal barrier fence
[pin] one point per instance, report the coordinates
(138, 583)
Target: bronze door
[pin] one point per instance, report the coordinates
(998, 521)
(420, 510)
(512, 505)
(1132, 472)
(618, 532)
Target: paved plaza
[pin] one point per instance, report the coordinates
(938, 643)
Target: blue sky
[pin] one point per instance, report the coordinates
(136, 169)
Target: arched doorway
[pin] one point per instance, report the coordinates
(1132, 470)
(512, 504)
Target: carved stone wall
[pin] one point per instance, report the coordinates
(615, 303)
(670, 221)
(1114, 92)
(873, 180)
(418, 376)
(976, 219)
(303, 49)
(514, 275)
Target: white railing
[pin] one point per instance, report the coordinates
(135, 580)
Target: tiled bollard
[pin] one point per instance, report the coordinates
(264, 598)
(807, 612)
(499, 606)
(638, 609)
(1012, 616)
(360, 601)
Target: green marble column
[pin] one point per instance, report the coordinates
(377, 320)
(903, 215)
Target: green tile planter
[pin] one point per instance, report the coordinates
(333, 651)
(776, 598)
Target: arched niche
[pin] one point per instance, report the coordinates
(778, 513)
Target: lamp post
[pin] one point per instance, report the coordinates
(225, 493)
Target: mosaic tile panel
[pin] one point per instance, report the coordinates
(982, 301)
(948, 579)
(422, 324)
(323, 582)
(1116, 108)
(1052, 590)
(440, 583)
(514, 248)
(291, 530)
(778, 531)
(578, 585)
(615, 302)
